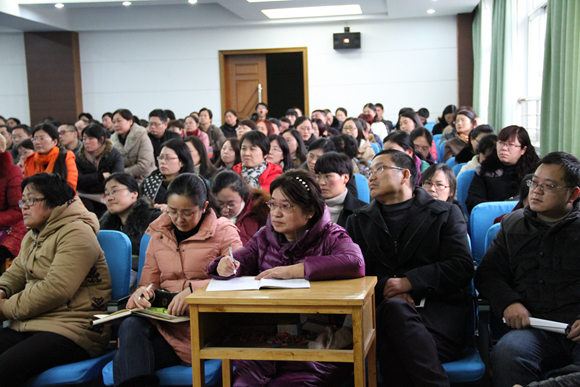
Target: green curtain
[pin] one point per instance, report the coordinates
(561, 79)
(500, 108)
(477, 60)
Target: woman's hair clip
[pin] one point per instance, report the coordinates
(303, 183)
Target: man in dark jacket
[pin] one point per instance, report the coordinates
(417, 246)
(158, 133)
(532, 268)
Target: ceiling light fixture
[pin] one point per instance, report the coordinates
(192, 1)
(430, 11)
(59, 5)
(126, 3)
(332, 10)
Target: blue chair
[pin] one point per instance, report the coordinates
(375, 147)
(436, 139)
(430, 125)
(176, 376)
(463, 183)
(457, 168)
(491, 233)
(482, 217)
(362, 186)
(142, 253)
(451, 162)
(441, 152)
(117, 249)
(469, 369)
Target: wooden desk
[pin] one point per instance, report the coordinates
(355, 297)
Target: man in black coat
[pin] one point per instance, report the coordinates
(532, 269)
(417, 246)
(158, 133)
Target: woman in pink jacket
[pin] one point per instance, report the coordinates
(184, 241)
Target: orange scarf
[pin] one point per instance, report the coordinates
(464, 137)
(36, 162)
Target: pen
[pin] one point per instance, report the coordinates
(148, 288)
(233, 262)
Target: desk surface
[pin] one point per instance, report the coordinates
(335, 292)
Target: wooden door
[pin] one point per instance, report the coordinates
(243, 74)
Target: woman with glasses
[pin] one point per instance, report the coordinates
(304, 126)
(127, 212)
(298, 241)
(56, 285)
(174, 159)
(317, 149)
(465, 121)
(499, 176)
(423, 141)
(439, 181)
(184, 241)
(355, 127)
(244, 207)
(96, 160)
(49, 157)
(256, 171)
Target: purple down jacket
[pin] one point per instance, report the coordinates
(328, 253)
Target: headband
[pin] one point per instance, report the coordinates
(303, 183)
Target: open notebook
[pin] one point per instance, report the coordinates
(249, 283)
(149, 313)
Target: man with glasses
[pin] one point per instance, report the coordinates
(19, 134)
(158, 133)
(417, 247)
(532, 269)
(69, 137)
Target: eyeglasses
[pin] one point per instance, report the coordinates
(165, 157)
(183, 214)
(312, 156)
(156, 124)
(229, 206)
(544, 187)
(62, 132)
(284, 207)
(382, 168)
(349, 129)
(29, 202)
(113, 192)
(438, 186)
(461, 121)
(512, 145)
(40, 138)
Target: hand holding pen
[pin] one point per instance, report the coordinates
(144, 295)
(228, 266)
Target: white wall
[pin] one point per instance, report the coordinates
(13, 80)
(405, 62)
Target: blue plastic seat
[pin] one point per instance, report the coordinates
(463, 183)
(457, 168)
(117, 249)
(491, 233)
(436, 139)
(482, 217)
(441, 152)
(177, 375)
(451, 162)
(375, 147)
(142, 254)
(430, 125)
(362, 186)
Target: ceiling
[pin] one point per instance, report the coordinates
(108, 15)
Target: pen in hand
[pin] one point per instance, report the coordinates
(233, 262)
(148, 288)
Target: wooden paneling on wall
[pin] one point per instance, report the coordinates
(465, 59)
(54, 75)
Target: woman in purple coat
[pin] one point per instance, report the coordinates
(298, 241)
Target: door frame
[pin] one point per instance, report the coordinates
(224, 53)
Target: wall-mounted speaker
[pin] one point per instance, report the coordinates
(346, 40)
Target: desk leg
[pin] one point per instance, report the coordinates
(226, 372)
(358, 348)
(372, 364)
(197, 365)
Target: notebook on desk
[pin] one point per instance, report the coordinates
(249, 283)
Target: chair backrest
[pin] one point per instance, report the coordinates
(362, 186)
(117, 249)
(436, 139)
(375, 147)
(457, 168)
(430, 125)
(482, 217)
(463, 183)
(491, 233)
(441, 152)
(451, 162)
(142, 253)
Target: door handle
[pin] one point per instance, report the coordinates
(259, 92)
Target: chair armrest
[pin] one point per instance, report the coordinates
(116, 305)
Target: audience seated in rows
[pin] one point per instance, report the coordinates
(354, 127)
(423, 142)
(439, 181)
(70, 138)
(158, 133)
(244, 126)
(464, 122)
(243, 206)
(446, 119)
(230, 125)
(191, 126)
(318, 147)
(215, 134)
(531, 269)
(298, 241)
(417, 246)
(500, 174)
(55, 286)
(184, 240)
(469, 150)
(485, 147)
(401, 141)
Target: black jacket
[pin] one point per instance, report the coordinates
(537, 265)
(229, 131)
(91, 179)
(157, 142)
(141, 215)
(351, 204)
(432, 251)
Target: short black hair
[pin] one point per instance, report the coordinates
(126, 114)
(26, 144)
(175, 123)
(160, 113)
(487, 144)
(249, 123)
(54, 188)
(210, 114)
(342, 110)
(96, 131)
(300, 120)
(402, 160)
(345, 143)
(49, 129)
(24, 127)
(379, 105)
(322, 143)
(88, 116)
(182, 151)
(263, 104)
(258, 139)
(423, 112)
(230, 179)
(275, 121)
(291, 112)
(126, 179)
(286, 120)
(334, 162)
(170, 114)
(487, 129)
(568, 162)
(195, 188)
(401, 138)
(422, 132)
(107, 114)
(448, 171)
(15, 120)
